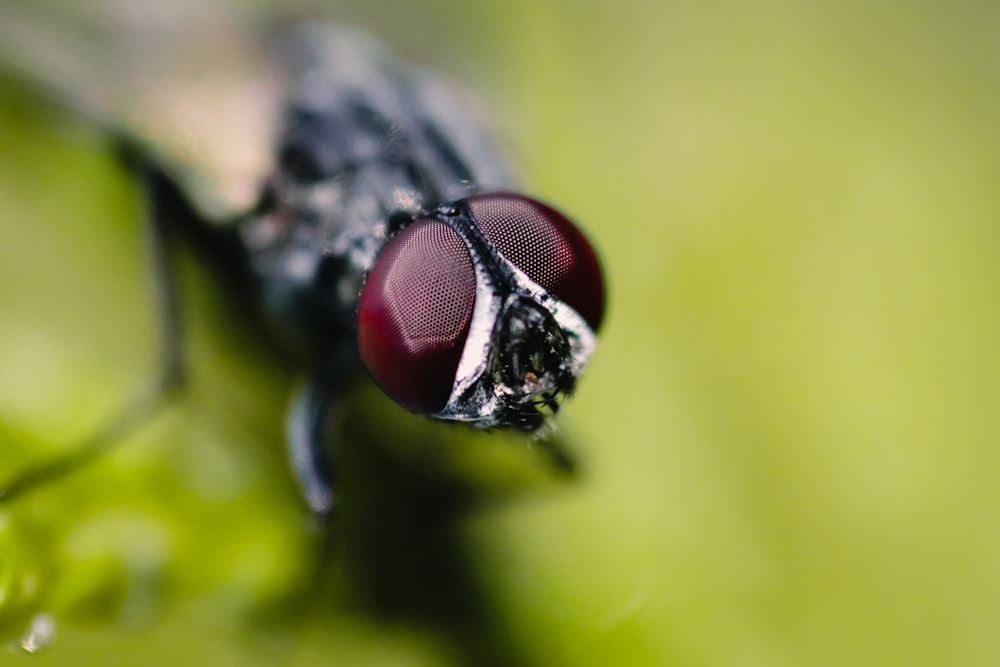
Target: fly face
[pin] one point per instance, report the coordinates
(484, 312)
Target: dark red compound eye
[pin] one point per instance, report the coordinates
(414, 315)
(544, 244)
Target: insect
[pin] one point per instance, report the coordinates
(366, 213)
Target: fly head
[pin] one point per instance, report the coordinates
(482, 312)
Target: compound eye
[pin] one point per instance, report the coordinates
(546, 246)
(414, 315)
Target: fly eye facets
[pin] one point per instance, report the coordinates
(546, 246)
(414, 315)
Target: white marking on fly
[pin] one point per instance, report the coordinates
(405, 199)
(302, 265)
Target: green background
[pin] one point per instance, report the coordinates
(789, 435)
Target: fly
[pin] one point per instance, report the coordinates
(379, 226)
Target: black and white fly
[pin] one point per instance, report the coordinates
(362, 206)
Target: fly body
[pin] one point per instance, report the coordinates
(386, 232)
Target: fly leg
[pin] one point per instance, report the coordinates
(149, 402)
(306, 433)
(550, 440)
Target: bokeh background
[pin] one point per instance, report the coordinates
(789, 437)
